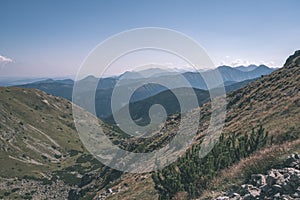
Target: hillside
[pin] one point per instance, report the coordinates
(60, 88)
(41, 155)
(139, 109)
(272, 102)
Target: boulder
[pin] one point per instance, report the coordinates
(86, 179)
(287, 189)
(74, 194)
(266, 189)
(258, 179)
(223, 198)
(276, 189)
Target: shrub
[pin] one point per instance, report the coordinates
(191, 174)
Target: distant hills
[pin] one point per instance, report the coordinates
(246, 68)
(139, 109)
(10, 81)
(60, 88)
(234, 78)
(243, 73)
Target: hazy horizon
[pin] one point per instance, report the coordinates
(52, 38)
(8, 77)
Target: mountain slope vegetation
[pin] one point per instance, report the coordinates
(272, 102)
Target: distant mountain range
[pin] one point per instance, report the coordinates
(11, 81)
(246, 68)
(234, 78)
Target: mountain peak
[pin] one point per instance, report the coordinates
(246, 68)
(293, 60)
(264, 66)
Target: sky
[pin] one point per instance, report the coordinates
(51, 38)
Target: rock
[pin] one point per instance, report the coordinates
(266, 189)
(109, 191)
(247, 197)
(278, 184)
(223, 198)
(287, 188)
(271, 179)
(247, 187)
(276, 188)
(286, 175)
(258, 179)
(86, 179)
(292, 160)
(235, 195)
(296, 195)
(254, 192)
(295, 180)
(251, 190)
(74, 194)
(277, 195)
(287, 197)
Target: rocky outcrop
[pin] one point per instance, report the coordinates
(278, 184)
(293, 59)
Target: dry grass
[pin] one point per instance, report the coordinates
(259, 162)
(139, 187)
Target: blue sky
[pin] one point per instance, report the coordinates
(52, 37)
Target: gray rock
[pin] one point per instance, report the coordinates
(287, 197)
(74, 194)
(277, 189)
(236, 196)
(109, 191)
(258, 179)
(223, 198)
(296, 195)
(292, 160)
(266, 190)
(247, 197)
(277, 195)
(271, 178)
(278, 184)
(287, 188)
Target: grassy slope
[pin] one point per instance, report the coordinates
(35, 124)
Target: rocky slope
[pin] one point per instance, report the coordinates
(283, 183)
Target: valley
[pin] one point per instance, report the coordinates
(41, 150)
